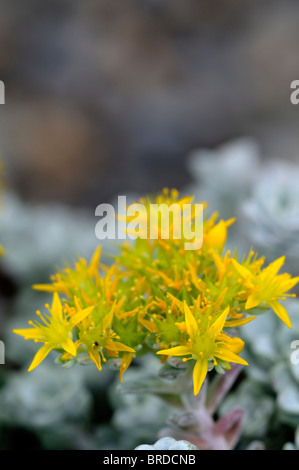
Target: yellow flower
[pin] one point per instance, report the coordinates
(165, 216)
(142, 299)
(55, 332)
(207, 342)
(68, 281)
(215, 235)
(125, 363)
(98, 336)
(268, 287)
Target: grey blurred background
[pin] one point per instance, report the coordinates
(104, 97)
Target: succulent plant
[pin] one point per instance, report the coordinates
(265, 199)
(263, 196)
(38, 238)
(269, 395)
(191, 418)
(168, 443)
(44, 399)
(137, 416)
(269, 219)
(223, 173)
(161, 300)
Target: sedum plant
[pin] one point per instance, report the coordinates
(269, 393)
(168, 443)
(270, 216)
(263, 194)
(225, 176)
(33, 251)
(181, 306)
(51, 406)
(46, 399)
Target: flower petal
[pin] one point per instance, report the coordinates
(56, 309)
(240, 322)
(199, 374)
(229, 356)
(252, 301)
(40, 356)
(125, 362)
(29, 333)
(176, 351)
(244, 272)
(79, 316)
(107, 320)
(191, 323)
(45, 287)
(274, 267)
(178, 303)
(69, 346)
(218, 324)
(117, 346)
(96, 358)
(94, 262)
(217, 235)
(281, 312)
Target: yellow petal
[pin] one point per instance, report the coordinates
(125, 362)
(107, 320)
(219, 264)
(81, 315)
(245, 273)
(194, 277)
(45, 287)
(69, 346)
(199, 374)
(116, 346)
(218, 324)
(94, 263)
(176, 351)
(236, 345)
(229, 356)
(95, 357)
(281, 312)
(181, 326)
(289, 284)
(191, 323)
(178, 303)
(40, 356)
(30, 333)
(56, 309)
(275, 266)
(217, 235)
(252, 301)
(242, 321)
(149, 325)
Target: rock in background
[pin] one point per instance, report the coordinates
(105, 97)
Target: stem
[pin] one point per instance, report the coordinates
(197, 424)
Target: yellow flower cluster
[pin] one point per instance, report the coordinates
(159, 297)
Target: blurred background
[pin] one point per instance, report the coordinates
(125, 97)
(105, 97)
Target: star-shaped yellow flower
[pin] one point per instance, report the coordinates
(55, 331)
(206, 343)
(268, 287)
(99, 337)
